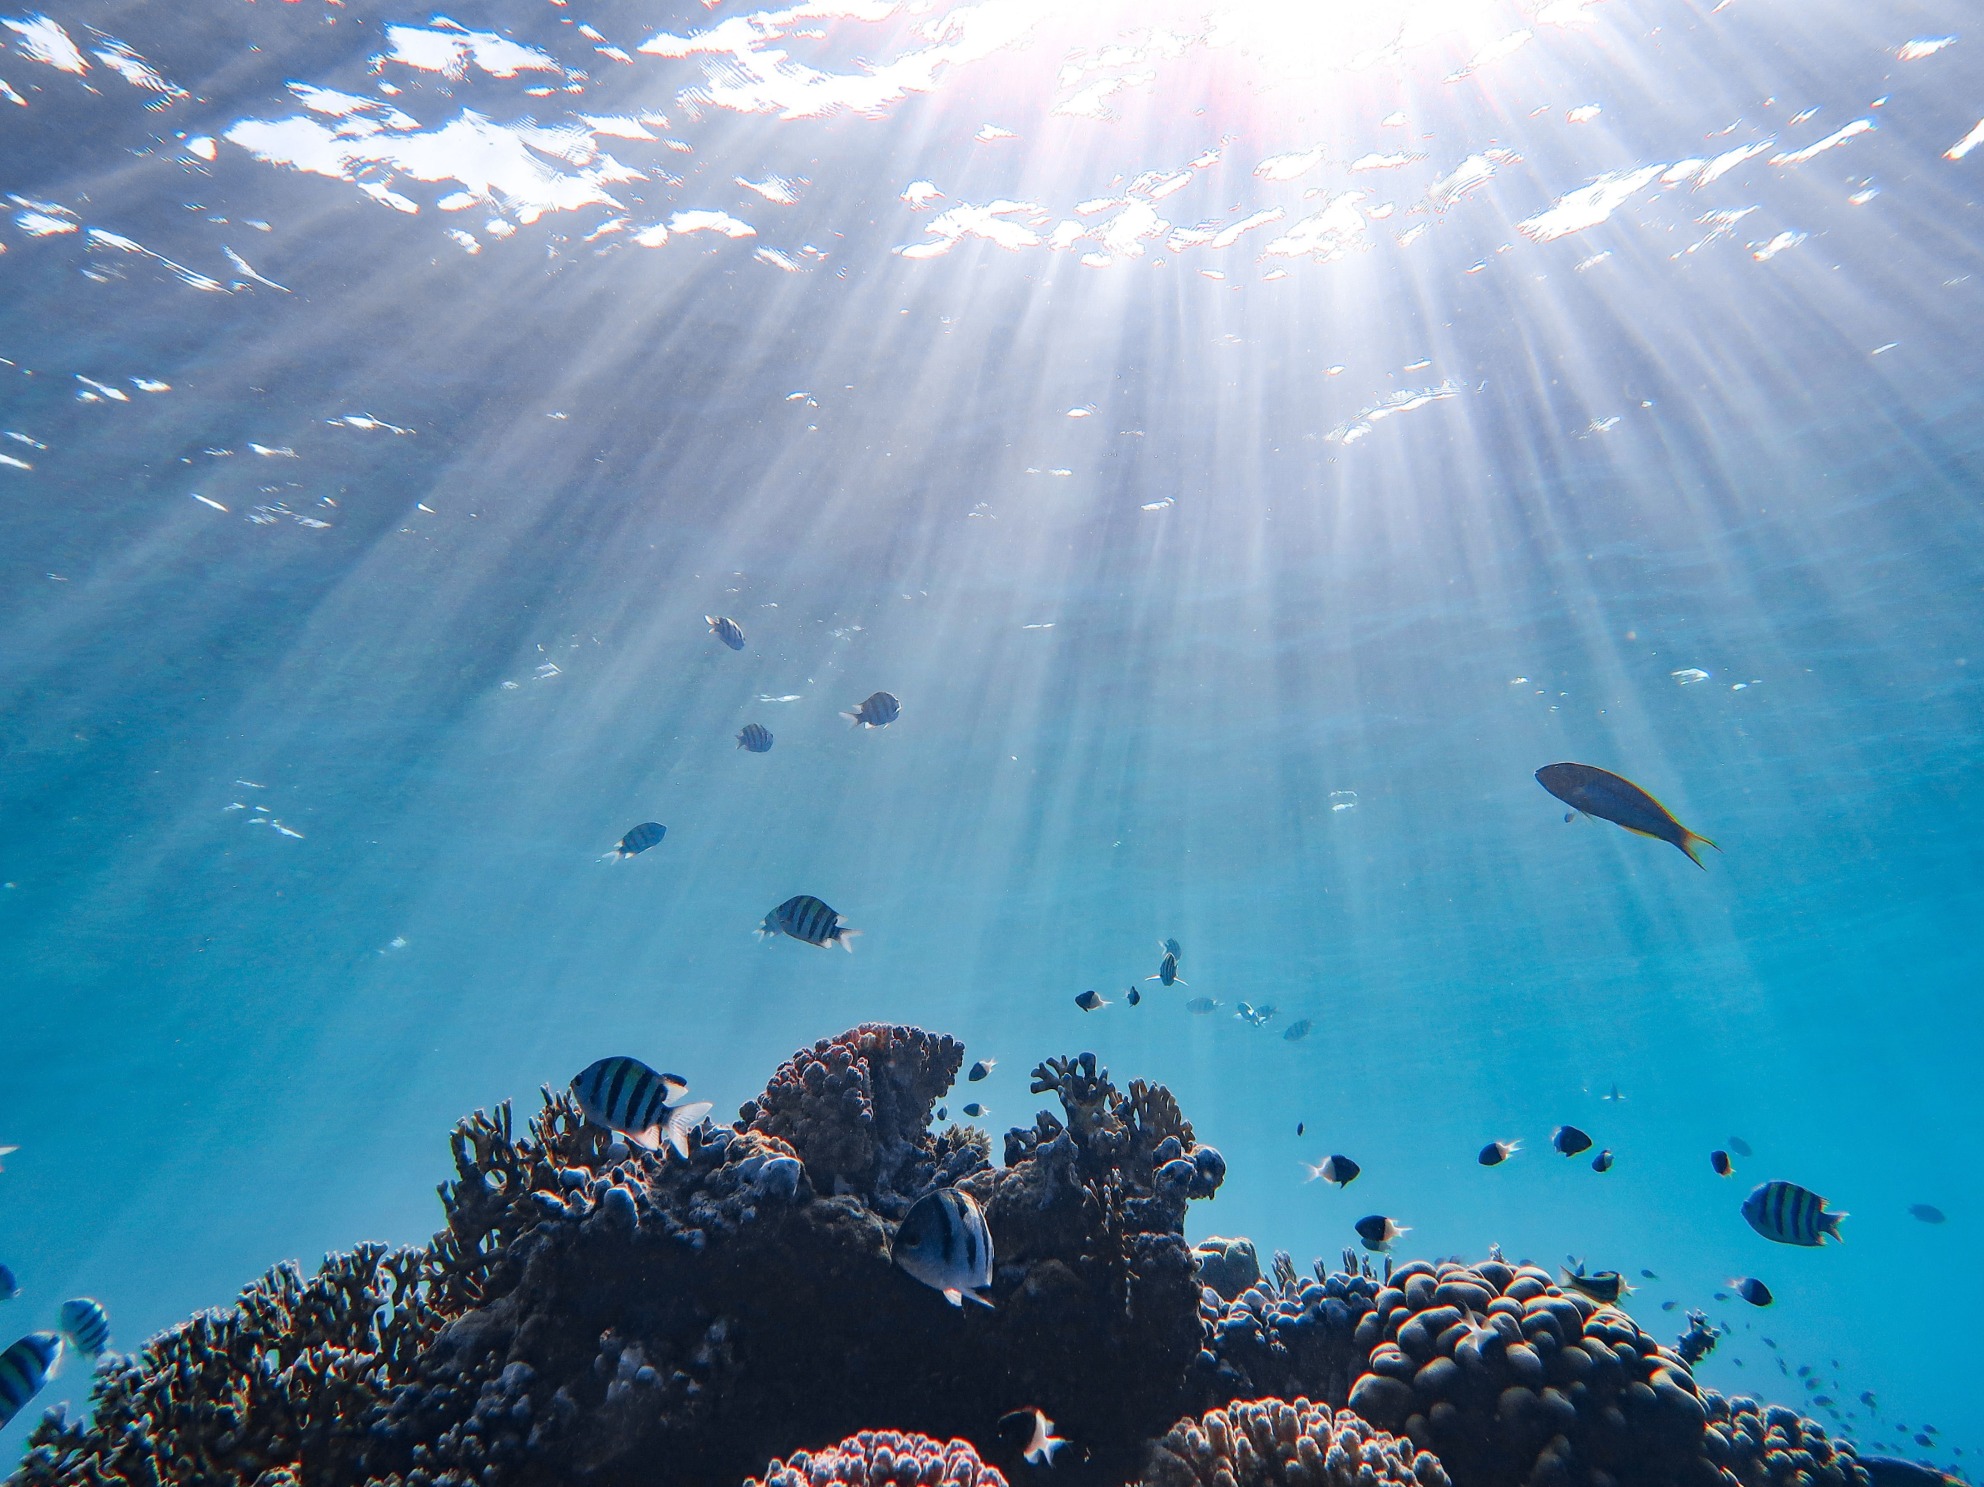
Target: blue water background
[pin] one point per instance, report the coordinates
(214, 1054)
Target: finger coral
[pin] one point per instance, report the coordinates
(884, 1458)
(1284, 1443)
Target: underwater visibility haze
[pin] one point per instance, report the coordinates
(1176, 531)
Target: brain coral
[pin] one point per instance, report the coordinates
(1272, 1442)
(884, 1458)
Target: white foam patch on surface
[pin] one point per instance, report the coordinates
(134, 69)
(1831, 142)
(1968, 143)
(707, 221)
(1765, 252)
(776, 189)
(451, 49)
(504, 166)
(1728, 160)
(44, 41)
(117, 242)
(1590, 205)
(1923, 46)
(1408, 401)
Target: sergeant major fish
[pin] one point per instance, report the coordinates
(1598, 792)
(1202, 1005)
(756, 737)
(1789, 1214)
(86, 1325)
(944, 1243)
(9, 1287)
(638, 840)
(1297, 1030)
(625, 1095)
(1167, 972)
(1170, 947)
(805, 917)
(24, 1368)
(726, 629)
(878, 710)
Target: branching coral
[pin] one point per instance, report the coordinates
(1279, 1443)
(884, 1458)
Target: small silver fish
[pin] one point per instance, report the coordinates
(944, 1243)
(726, 629)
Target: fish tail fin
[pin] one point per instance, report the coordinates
(681, 1121)
(1829, 1224)
(1689, 841)
(973, 1296)
(847, 937)
(647, 1140)
(853, 719)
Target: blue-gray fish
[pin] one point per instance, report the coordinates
(756, 737)
(24, 1368)
(647, 834)
(1202, 1004)
(86, 1325)
(1602, 1286)
(9, 1287)
(1091, 1000)
(878, 710)
(1928, 1213)
(805, 917)
(1789, 1214)
(1377, 1231)
(944, 1243)
(726, 629)
(1298, 1030)
(625, 1095)
(1752, 1290)
(982, 1068)
(1170, 947)
(1598, 792)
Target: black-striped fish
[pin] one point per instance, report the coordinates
(1789, 1214)
(878, 710)
(944, 1243)
(625, 1095)
(1167, 972)
(1598, 792)
(86, 1325)
(756, 737)
(634, 843)
(1170, 947)
(726, 629)
(804, 917)
(24, 1368)
(1298, 1030)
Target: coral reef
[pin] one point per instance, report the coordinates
(884, 1458)
(592, 1309)
(1277, 1443)
(1770, 1446)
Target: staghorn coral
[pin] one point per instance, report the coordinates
(1272, 1442)
(884, 1458)
(854, 1108)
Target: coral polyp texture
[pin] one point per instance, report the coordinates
(884, 1458)
(1287, 1443)
(598, 1313)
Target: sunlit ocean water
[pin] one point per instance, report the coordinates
(1233, 593)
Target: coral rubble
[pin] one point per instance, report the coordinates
(592, 1309)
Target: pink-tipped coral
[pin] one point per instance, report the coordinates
(1279, 1443)
(884, 1458)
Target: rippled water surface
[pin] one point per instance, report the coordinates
(1250, 439)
